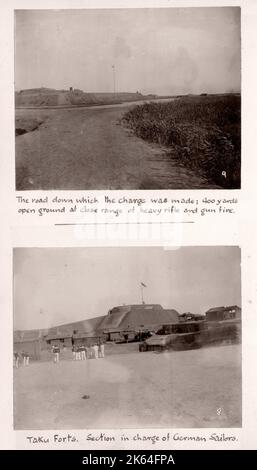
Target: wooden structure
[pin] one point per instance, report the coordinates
(223, 313)
(28, 343)
(83, 338)
(63, 340)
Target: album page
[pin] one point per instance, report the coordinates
(128, 241)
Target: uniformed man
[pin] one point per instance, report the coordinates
(83, 352)
(16, 359)
(25, 356)
(101, 349)
(56, 352)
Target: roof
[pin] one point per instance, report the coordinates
(58, 336)
(114, 318)
(222, 309)
(112, 330)
(60, 331)
(137, 316)
(233, 321)
(27, 335)
(126, 317)
(84, 325)
(118, 330)
(83, 334)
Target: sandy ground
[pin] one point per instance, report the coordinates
(198, 388)
(87, 148)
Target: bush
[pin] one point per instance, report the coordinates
(204, 131)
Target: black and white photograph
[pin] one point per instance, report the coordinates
(127, 337)
(128, 99)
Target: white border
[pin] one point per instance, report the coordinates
(242, 232)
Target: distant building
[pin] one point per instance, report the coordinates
(83, 338)
(188, 316)
(223, 313)
(60, 339)
(121, 324)
(112, 334)
(119, 335)
(28, 342)
(132, 317)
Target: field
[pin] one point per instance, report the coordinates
(203, 132)
(183, 389)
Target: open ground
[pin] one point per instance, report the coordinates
(88, 148)
(182, 389)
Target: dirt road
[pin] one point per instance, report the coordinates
(183, 389)
(87, 148)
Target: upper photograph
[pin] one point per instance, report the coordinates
(128, 99)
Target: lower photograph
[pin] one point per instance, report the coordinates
(127, 337)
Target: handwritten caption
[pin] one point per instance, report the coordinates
(122, 208)
(138, 437)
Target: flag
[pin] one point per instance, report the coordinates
(143, 285)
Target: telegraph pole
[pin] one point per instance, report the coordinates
(114, 84)
(142, 285)
(142, 294)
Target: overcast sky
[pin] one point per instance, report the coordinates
(164, 51)
(60, 285)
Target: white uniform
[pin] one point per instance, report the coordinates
(78, 356)
(101, 350)
(25, 359)
(83, 354)
(16, 358)
(95, 351)
(56, 352)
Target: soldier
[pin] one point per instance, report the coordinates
(74, 352)
(25, 356)
(87, 352)
(56, 352)
(83, 352)
(16, 359)
(95, 348)
(78, 356)
(101, 349)
(91, 352)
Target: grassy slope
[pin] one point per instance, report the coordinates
(47, 97)
(204, 132)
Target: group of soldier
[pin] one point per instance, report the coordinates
(82, 352)
(21, 355)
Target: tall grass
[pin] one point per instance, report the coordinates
(203, 132)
